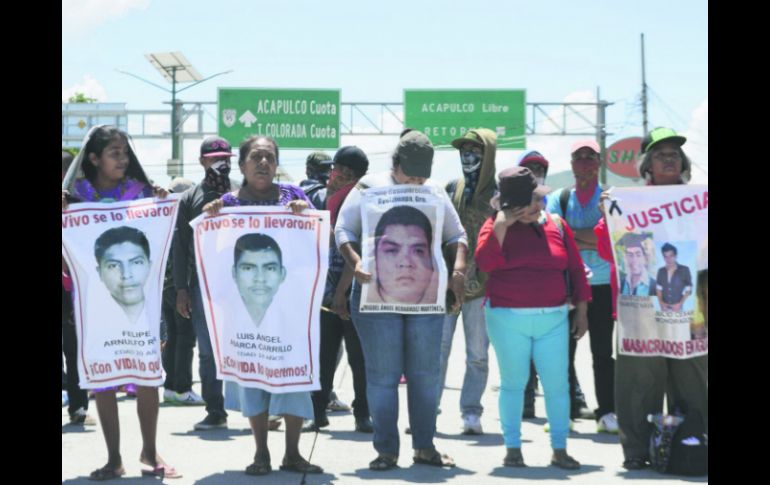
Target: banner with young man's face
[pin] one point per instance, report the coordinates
(116, 253)
(660, 244)
(262, 272)
(401, 247)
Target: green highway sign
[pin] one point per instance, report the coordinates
(296, 118)
(444, 115)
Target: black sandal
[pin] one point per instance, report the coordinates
(564, 461)
(435, 459)
(383, 463)
(300, 465)
(514, 458)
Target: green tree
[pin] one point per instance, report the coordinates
(81, 98)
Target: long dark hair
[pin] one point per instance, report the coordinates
(100, 138)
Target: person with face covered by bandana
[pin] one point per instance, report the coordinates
(318, 167)
(215, 159)
(579, 206)
(470, 196)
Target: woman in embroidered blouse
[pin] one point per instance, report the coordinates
(107, 170)
(258, 161)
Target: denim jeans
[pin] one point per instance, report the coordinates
(211, 387)
(521, 334)
(393, 344)
(476, 355)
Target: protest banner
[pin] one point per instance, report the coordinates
(116, 253)
(261, 272)
(660, 243)
(401, 248)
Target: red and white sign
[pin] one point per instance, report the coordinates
(622, 155)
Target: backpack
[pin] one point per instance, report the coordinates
(679, 444)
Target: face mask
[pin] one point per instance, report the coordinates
(540, 180)
(471, 161)
(220, 167)
(217, 175)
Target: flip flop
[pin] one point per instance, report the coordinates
(162, 471)
(259, 468)
(106, 473)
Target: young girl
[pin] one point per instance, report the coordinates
(107, 170)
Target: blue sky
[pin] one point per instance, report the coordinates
(371, 51)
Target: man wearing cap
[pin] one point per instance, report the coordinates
(215, 159)
(470, 196)
(393, 342)
(579, 206)
(349, 165)
(317, 168)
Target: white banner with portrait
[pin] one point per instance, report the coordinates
(401, 236)
(262, 272)
(116, 253)
(660, 243)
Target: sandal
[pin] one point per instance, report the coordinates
(300, 465)
(435, 459)
(106, 473)
(562, 460)
(514, 458)
(383, 463)
(635, 464)
(259, 468)
(162, 471)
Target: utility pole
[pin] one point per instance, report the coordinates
(176, 69)
(601, 135)
(644, 94)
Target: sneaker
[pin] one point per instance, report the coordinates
(64, 399)
(336, 405)
(169, 396)
(472, 424)
(607, 424)
(81, 417)
(547, 426)
(189, 398)
(212, 421)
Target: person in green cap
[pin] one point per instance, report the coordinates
(641, 382)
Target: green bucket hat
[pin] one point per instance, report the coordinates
(470, 136)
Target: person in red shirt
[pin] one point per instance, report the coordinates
(531, 258)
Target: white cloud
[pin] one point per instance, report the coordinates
(79, 16)
(89, 86)
(697, 146)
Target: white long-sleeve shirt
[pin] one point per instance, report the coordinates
(348, 228)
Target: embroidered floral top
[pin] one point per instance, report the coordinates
(286, 193)
(129, 189)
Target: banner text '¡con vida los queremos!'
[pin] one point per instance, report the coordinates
(256, 222)
(72, 220)
(269, 372)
